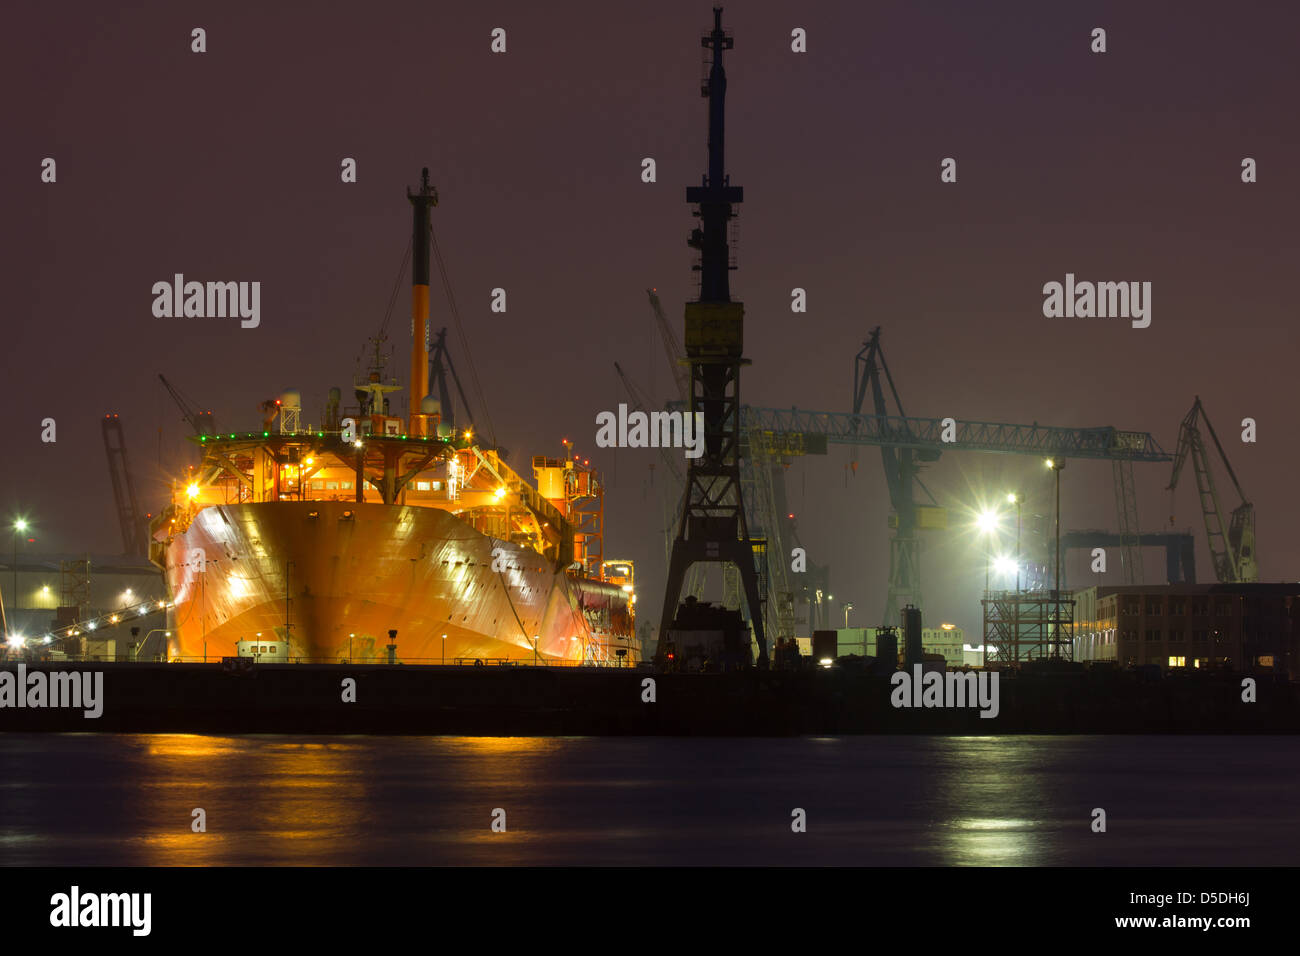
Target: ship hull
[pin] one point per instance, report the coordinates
(338, 576)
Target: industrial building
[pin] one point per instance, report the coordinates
(110, 594)
(1244, 626)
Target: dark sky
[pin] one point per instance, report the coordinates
(225, 166)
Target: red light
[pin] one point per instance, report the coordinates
(790, 515)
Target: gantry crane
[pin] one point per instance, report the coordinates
(1232, 552)
(907, 442)
(924, 437)
(902, 468)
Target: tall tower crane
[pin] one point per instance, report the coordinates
(1232, 552)
(713, 527)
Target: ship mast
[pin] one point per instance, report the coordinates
(421, 203)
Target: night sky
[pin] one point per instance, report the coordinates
(225, 166)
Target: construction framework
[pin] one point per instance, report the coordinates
(1022, 626)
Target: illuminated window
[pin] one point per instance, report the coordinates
(347, 486)
(318, 485)
(1178, 662)
(422, 486)
(331, 486)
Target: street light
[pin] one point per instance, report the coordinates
(1017, 499)
(988, 523)
(20, 526)
(1056, 465)
(848, 606)
(156, 630)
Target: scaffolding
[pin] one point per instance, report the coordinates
(1024, 626)
(74, 587)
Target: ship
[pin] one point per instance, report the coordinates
(375, 538)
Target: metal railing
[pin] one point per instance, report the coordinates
(377, 661)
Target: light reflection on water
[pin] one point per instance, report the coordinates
(83, 799)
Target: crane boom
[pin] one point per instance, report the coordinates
(200, 421)
(1231, 543)
(134, 540)
(672, 347)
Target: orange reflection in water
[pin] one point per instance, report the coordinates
(288, 801)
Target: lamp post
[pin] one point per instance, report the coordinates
(20, 526)
(536, 638)
(988, 523)
(444, 649)
(1056, 465)
(848, 606)
(1017, 499)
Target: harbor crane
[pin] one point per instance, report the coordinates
(200, 421)
(1232, 551)
(133, 524)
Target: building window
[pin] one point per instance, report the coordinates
(347, 486)
(1176, 634)
(1177, 606)
(1153, 634)
(422, 486)
(331, 486)
(1200, 606)
(1178, 662)
(1153, 608)
(1132, 606)
(1222, 608)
